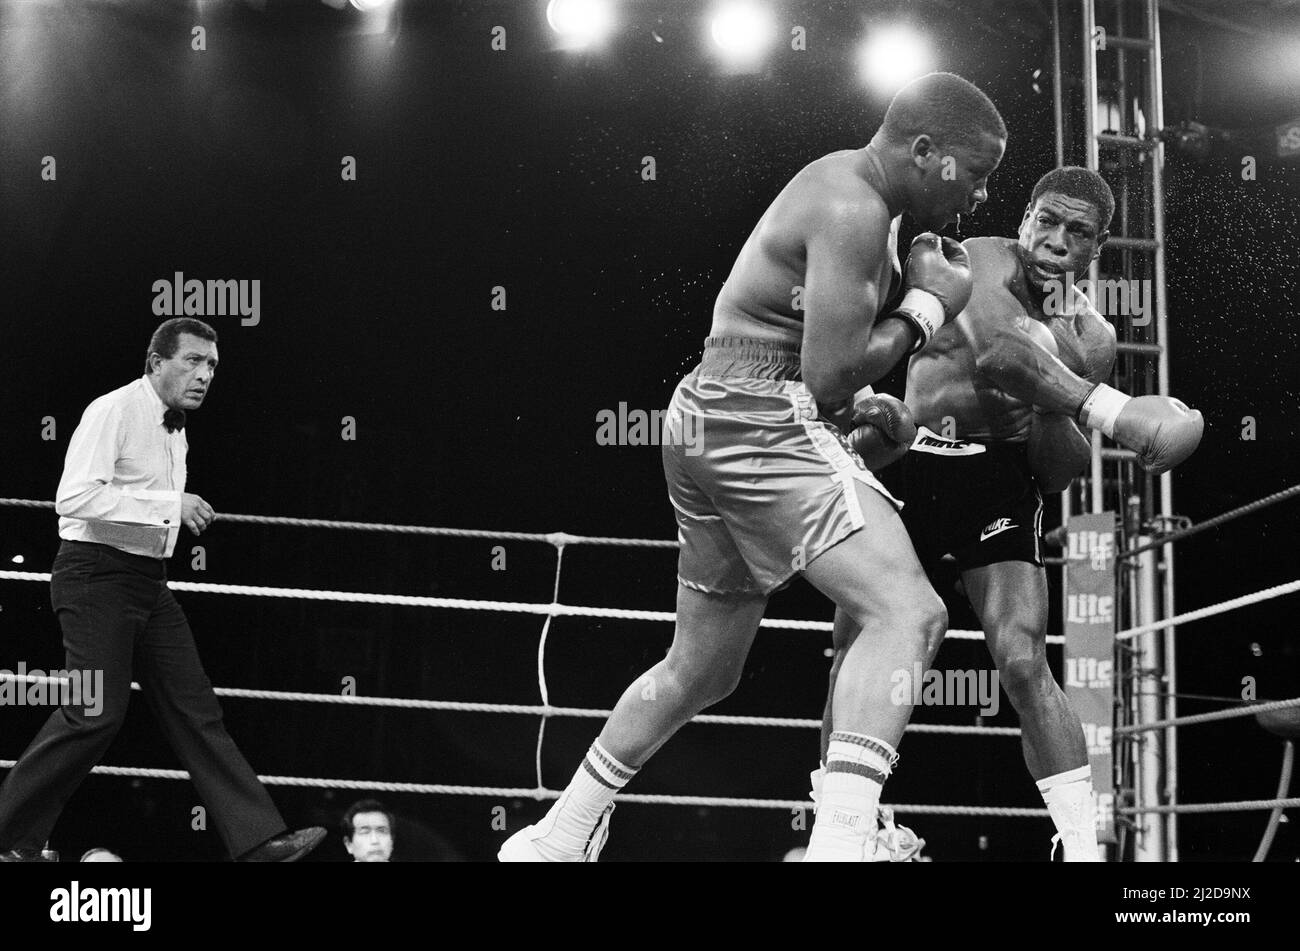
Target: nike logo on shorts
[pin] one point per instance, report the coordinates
(996, 528)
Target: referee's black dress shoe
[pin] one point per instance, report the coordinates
(23, 855)
(286, 847)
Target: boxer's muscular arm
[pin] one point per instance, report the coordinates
(1058, 448)
(1058, 451)
(1004, 352)
(1086, 340)
(843, 347)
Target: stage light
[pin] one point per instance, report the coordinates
(893, 56)
(17, 559)
(580, 23)
(742, 31)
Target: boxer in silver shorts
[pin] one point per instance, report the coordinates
(769, 488)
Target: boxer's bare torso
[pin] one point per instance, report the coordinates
(946, 390)
(762, 296)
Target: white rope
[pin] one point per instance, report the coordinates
(555, 609)
(541, 665)
(1244, 805)
(545, 710)
(458, 604)
(553, 538)
(562, 538)
(1276, 591)
(440, 789)
(1248, 710)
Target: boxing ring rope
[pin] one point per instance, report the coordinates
(1276, 805)
(520, 709)
(283, 521)
(1240, 805)
(1275, 818)
(1280, 802)
(1249, 710)
(567, 610)
(508, 607)
(506, 792)
(1214, 522)
(560, 540)
(1276, 591)
(542, 686)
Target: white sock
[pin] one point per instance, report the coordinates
(845, 828)
(563, 833)
(1069, 800)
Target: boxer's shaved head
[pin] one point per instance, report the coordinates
(942, 139)
(949, 109)
(1082, 184)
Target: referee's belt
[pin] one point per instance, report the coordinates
(927, 441)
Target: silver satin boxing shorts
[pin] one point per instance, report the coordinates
(760, 481)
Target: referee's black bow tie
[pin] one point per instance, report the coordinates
(174, 419)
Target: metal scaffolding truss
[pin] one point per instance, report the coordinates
(1109, 101)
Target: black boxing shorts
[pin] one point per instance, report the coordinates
(975, 501)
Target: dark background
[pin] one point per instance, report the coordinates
(520, 168)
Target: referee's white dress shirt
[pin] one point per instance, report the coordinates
(124, 475)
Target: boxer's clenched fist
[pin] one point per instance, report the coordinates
(941, 267)
(882, 430)
(938, 284)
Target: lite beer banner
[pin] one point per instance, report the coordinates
(1089, 649)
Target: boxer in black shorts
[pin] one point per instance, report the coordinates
(996, 397)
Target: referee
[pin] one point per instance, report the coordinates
(121, 503)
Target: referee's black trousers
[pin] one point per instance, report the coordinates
(118, 616)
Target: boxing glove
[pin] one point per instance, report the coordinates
(938, 285)
(882, 430)
(1161, 430)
